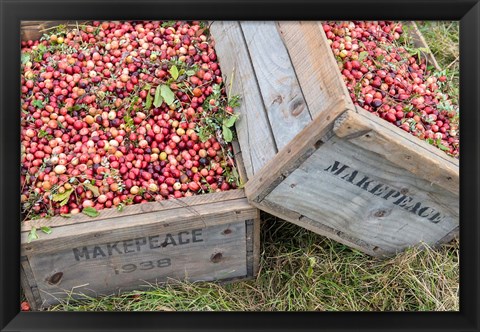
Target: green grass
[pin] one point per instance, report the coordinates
(300, 270)
(303, 271)
(443, 38)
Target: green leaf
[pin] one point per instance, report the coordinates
(190, 72)
(148, 102)
(167, 94)
(91, 212)
(312, 261)
(92, 188)
(46, 229)
(66, 215)
(362, 55)
(230, 121)
(441, 146)
(25, 57)
(203, 134)
(157, 102)
(37, 103)
(167, 24)
(32, 235)
(63, 198)
(120, 207)
(174, 72)
(227, 134)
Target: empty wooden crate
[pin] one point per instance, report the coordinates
(315, 159)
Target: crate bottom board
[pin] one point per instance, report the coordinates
(215, 253)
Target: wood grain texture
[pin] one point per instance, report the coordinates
(238, 158)
(215, 252)
(208, 241)
(277, 209)
(29, 285)
(371, 199)
(314, 64)
(253, 129)
(126, 226)
(282, 96)
(132, 210)
(368, 131)
(290, 157)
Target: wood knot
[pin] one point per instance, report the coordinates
(278, 99)
(297, 108)
(55, 278)
(380, 213)
(215, 258)
(227, 231)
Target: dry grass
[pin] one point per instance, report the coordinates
(302, 271)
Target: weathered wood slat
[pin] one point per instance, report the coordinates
(208, 253)
(316, 71)
(237, 153)
(289, 158)
(132, 210)
(256, 140)
(364, 129)
(283, 99)
(28, 284)
(316, 227)
(357, 191)
(171, 220)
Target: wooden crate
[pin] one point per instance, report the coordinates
(210, 237)
(316, 160)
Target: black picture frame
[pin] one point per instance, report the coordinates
(12, 12)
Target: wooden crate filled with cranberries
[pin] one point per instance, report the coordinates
(131, 174)
(346, 129)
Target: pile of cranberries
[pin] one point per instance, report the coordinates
(383, 78)
(92, 137)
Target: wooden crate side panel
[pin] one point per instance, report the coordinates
(315, 65)
(254, 133)
(191, 203)
(121, 228)
(290, 157)
(358, 193)
(367, 131)
(282, 96)
(316, 227)
(253, 244)
(28, 283)
(149, 256)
